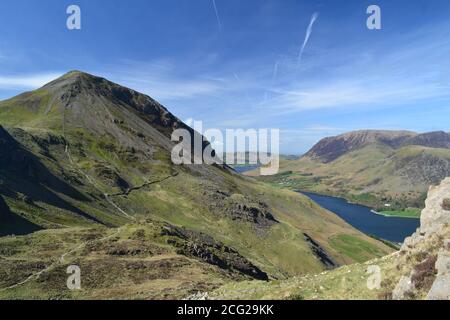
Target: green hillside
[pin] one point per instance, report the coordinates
(89, 162)
(374, 168)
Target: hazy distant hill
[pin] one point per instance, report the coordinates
(89, 161)
(396, 167)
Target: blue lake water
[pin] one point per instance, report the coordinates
(242, 169)
(361, 217)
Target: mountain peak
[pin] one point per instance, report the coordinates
(74, 77)
(81, 100)
(78, 74)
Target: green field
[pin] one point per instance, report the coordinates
(413, 214)
(354, 247)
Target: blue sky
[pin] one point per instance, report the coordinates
(241, 67)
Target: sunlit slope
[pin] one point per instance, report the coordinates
(419, 270)
(372, 167)
(82, 152)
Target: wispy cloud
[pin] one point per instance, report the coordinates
(29, 81)
(219, 23)
(314, 17)
(162, 80)
(350, 93)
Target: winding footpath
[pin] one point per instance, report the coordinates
(60, 261)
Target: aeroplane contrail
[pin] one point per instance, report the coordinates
(275, 69)
(217, 15)
(308, 35)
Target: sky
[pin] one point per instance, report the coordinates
(310, 68)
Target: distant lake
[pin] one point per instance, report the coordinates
(245, 168)
(361, 217)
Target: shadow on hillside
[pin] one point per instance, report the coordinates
(21, 172)
(12, 224)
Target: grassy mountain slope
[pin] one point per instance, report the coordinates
(87, 159)
(418, 271)
(372, 167)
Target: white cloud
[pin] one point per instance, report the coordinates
(350, 94)
(30, 81)
(163, 80)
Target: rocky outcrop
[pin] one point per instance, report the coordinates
(239, 207)
(423, 168)
(441, 285)
(425, 256)
(206, 248)
(438, 139)
(321, 253)
(434, 217)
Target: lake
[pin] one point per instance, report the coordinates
(361, 217)
(245, 168)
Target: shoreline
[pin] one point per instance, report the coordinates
(358, 204)
(391, 216)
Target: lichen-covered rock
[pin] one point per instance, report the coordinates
(441, 285)
(434, 217)
(240, 207)
(425, 262)
(403, 289)
(206, 248)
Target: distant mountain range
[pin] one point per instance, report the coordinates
(88, 161)
(375, 167)
(330, 149)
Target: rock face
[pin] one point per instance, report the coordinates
(437, 139)
(423, 168)
(320, 253)
(206, 248)
(429, 251)
(403, 288)
(434, 216)
(240, 208)
(441, 286)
